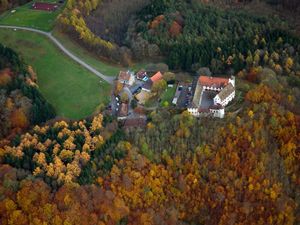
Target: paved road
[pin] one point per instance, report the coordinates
(108, 79)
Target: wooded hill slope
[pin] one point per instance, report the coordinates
(244, 169)
(21, 103)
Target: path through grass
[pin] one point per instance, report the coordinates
(71, 89)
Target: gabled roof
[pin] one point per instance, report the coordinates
(141, 74)
(156, 77)
(197, 95)
(135, 88)
(202, 110)
(44, 6)
(218, 106)
(124, 75)
(135, 122)
(207, 110)
(228, 90)
(216, 82)
(124, 110)
(148, 85)
(143, 96)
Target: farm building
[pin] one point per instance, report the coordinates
(126, 77)
(44, 6)
(149, 83)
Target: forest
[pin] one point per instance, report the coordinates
(243, 169)
(246, 172)
(187, 33)
(21, 103)
(178, 170)
(191, 34)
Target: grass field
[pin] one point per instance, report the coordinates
(168, 95)
(25, 16)
(71, 89)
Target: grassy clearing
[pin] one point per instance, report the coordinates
(27, 17)
(71, 89)
(168, 95)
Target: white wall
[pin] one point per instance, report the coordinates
(217, 100)
(232, 81)
(228, 99)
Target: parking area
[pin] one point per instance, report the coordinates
(185, 95)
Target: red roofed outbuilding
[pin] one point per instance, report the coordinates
(149, 83)
(156, 77)
(44, 6)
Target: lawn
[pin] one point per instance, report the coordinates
(71, 89)
(27, 17)
(168, 95)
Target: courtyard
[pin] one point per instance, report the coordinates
(207, 99)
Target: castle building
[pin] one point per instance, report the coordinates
(211, 96)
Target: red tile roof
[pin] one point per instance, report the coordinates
(201, 110)
(207, 110)
(156, 77)
(217, 82)
(218, 106)
(44, 6)
(139, 122)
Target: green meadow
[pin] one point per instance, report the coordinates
(71, 89)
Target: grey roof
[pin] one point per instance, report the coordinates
(228, 90)
(135, 88)
(124, 110)
(197, 95)
(148, 85)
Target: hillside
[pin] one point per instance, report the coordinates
(21, 103)
(178, 170)
(111, 19)
(9, 4)
(192, 35)
(150, 29)
(288, 10)
(143, 158)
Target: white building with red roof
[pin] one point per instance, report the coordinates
(149, 83)
(211, 96)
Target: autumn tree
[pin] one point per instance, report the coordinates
(19, 119)
(159, 86)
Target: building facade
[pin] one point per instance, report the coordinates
(126, 77)
(211, 96)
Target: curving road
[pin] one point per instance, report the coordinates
(108, 79)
